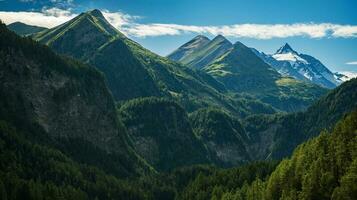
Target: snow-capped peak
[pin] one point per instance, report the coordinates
(285, 49)
(288, 62)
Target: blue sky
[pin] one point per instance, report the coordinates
(324, 29)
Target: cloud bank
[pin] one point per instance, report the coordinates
(50, 17)
(352, 63)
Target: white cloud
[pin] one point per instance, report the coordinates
(119, 19)
(258, 31)
(50, 17)
(352, 63)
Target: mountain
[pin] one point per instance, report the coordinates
(133, 71)
(276, 136)
(24, 29)
(288, 62)
(161, 133)
(241, 71)
(62, 103)
(200, 51)
(90, 38)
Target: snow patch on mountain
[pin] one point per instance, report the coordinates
(291, 57)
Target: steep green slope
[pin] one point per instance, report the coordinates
(202, 53)
(161, 133)
(277, 136)
(322, 168)
(24, 29)
(240, 70)
(90, 38)
(56, 99)
(223, 135)
(296, 128)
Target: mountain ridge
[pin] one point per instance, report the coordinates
(25, 29)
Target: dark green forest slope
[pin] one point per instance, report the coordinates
(223, 135)
(62, 102)
(161, 133)
(322, 168)
(37, 172)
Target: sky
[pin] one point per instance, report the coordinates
(324, 29)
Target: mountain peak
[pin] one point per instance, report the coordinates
(221, 39)
(96, 13)
(285, 49)
(200, 37)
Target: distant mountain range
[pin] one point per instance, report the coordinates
(201, 51)
(288, 62)
(242, 71)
